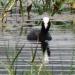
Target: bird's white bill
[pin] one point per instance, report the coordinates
(46, 57)
(46, 20)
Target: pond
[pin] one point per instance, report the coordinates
(62, 48)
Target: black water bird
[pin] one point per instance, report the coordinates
(42, 35)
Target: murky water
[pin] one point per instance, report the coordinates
(62, 48)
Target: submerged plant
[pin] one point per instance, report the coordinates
(12, 58)
(37, 70)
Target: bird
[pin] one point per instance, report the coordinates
(29, 6)
(42, 35)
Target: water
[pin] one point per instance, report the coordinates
(62, 49)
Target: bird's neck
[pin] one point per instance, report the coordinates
(45, 27)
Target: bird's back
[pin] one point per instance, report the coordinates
(33, 35)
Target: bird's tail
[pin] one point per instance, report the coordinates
(46, 52)
(46, 55)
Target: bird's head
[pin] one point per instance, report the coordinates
(46, 21)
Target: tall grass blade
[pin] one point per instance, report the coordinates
(16, 56)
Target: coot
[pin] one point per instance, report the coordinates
(42, 35)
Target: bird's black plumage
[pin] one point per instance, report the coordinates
(42, 35)
(44, 46)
